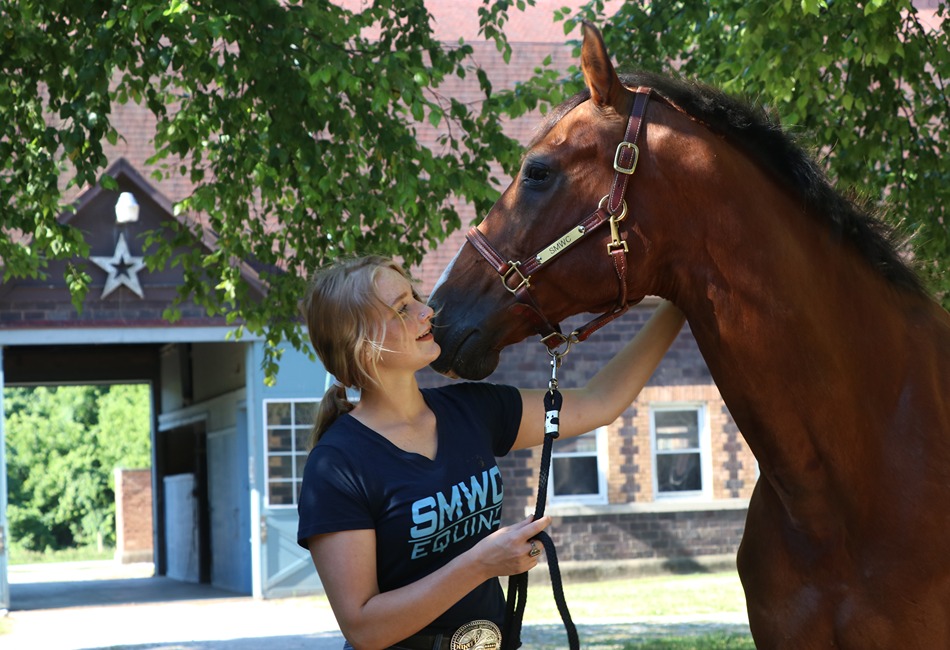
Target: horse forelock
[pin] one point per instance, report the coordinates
(556, 115)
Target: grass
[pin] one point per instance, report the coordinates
(661, 607)
(78, 554)
(678, 595)
(714, 641)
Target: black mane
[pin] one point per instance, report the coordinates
(753, 130)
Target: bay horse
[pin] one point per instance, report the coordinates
(830, 356)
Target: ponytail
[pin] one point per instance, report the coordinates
(333, 405)
(343, 314)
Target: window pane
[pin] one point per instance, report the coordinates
(676, 430)
(301, 463)
(304, 413)
(278, 413)
(278, 440)
(281, 493)
(575, 475)
(586, 443)
(280, 466)
(678, 472)
(302, 440)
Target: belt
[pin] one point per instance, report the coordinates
(477, 635)
(437, 641)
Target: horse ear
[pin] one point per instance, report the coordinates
(599, 74)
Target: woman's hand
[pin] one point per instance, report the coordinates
(507, 551)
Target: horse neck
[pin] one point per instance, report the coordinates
(783, 314)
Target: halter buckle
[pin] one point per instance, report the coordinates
(618, 165)
(513, 269)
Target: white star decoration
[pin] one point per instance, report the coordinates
(122, 268)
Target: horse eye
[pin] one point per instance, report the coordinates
(535, 173)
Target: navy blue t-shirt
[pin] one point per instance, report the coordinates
(425, 512)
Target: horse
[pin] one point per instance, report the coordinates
(828, 352)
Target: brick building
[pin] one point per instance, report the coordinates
(667, 483)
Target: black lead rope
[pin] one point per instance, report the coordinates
(518, 584)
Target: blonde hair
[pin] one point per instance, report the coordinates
(343, 313)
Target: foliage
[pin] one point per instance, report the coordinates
(297, 122)
(863, 84)
(62, 445)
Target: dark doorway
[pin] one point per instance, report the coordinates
(179, 452)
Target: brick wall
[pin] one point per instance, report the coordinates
(133, 515)
(671, 535)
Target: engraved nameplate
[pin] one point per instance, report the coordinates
(560, 245)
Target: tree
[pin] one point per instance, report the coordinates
(863, 84)
(295, 121)
(63, 444)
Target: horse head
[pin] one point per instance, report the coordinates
(558, 241)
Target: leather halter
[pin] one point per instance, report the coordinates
(516, 276)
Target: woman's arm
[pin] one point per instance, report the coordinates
(612, 389)
(370, 620)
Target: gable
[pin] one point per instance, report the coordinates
(122, 292)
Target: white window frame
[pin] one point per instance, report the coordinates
(602, 455)
(295, 480)
(705, 451)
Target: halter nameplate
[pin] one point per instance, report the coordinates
(561, 245)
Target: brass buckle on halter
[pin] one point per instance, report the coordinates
(513, 268)
(618, 167)
(567, 340)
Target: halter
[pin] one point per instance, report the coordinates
(516, 275)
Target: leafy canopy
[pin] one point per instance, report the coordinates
(298, 122)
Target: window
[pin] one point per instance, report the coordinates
(579, 469)
(287, 427)
(680, 451)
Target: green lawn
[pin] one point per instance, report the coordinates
(657, 605)
(693, 594)
(704, 642)
(79, 554)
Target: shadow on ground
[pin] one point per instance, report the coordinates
(32, 596)
(616, 636)
(319, 641)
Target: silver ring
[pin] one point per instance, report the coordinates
(535, 551)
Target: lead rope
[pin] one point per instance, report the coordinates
(518, 584)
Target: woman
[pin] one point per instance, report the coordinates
(401, 498)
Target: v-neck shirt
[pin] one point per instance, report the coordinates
(425, 511)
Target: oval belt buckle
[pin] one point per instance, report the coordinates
(477, 635)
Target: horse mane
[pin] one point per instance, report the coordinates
(760, 135)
